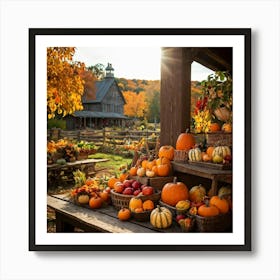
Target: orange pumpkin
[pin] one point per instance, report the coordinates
(227, 127)
(150, 164)
(144, 163)
(162, 160)
(148, 205)
(95, 202)
(221, 203)
(163, 170)
(104, 195)
(134, 203)
(155, 170)
(166, 151)
(209, 151)
(197, 193)
(215, 127)
(185, 141)
(207, 210)
(172, 193)
(124, 214)
(112, 181)
(133, 171)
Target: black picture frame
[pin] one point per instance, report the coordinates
(34, 33)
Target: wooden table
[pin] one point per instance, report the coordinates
(86, 165)
(215, 175)
(69, 215)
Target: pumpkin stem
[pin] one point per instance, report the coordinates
(175, 180)
(159, 208)
(187, 130)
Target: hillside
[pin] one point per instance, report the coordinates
(142, 97)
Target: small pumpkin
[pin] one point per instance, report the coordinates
(148, 205)
(166, 151)
(185, 141)
(95, 202)
(123, 175)
(124, 214)
(133, 171)
(141, 171)
(214, 127)
(134, 203)
(163, 170)
(112, 181)
(221, 203)
(173, 192)
(150, 164)
(197, 193)
(194, 154)
(221, 151)
(227, 127)
(207, 210)
(161, 217)
(83, 198)
(162, 160)
(209, 151)
(150, 173)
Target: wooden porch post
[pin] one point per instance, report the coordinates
(175, 93)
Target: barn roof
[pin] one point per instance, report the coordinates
(100, 115)
(102, 87)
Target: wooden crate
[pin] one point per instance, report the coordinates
(155, 182)
(220, 137)
(181, 155)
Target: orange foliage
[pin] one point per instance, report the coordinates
(65, 86)
(136, 104)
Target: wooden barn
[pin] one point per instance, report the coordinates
(107, 109)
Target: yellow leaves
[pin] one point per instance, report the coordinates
(65, 84)
(202, 121)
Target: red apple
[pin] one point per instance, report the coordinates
(136, 185)
(128, 191)
(136, 192)
(127, 183)
(147, 190)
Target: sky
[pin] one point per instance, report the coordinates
(133, 63)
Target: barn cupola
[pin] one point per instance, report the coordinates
(109, 71)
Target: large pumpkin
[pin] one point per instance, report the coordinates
(185, 141)
(194, 154)
(197, 193)
(161, 217)
(172, 193)
(166, 151)
(221, 151)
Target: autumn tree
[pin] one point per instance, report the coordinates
(153, 113)
(65, 85)
(136, 104)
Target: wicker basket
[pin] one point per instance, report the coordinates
(122, 201)
(181, 155)
(218, 223)
(191, 228)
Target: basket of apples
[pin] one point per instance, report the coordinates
(124, 191)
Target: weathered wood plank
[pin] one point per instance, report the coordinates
(93, 219)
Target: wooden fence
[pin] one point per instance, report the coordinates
(103, 136)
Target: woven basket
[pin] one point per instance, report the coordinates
(218, 223)
(181, 155)
(122, 201)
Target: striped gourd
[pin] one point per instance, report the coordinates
(221, 151)
(161, 217)
(195, 154)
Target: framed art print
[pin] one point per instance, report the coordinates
(140, 139)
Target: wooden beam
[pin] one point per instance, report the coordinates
(175, 93)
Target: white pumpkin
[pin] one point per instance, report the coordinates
(221, 151)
